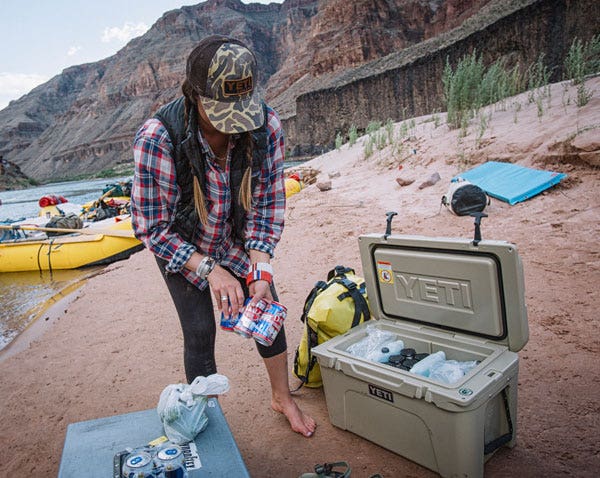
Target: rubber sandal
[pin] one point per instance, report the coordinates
(326, 471)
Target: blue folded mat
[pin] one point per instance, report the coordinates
(509, 182)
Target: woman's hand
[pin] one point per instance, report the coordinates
(227, 290)
(260, 289)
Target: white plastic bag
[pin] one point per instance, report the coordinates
(385, 351)
(181, 407)
(450, 371)
(372, 343)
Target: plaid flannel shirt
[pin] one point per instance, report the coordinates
(155, 194)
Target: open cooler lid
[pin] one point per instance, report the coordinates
(449, 284)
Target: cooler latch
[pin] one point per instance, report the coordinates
(388, 228)
(478, 216)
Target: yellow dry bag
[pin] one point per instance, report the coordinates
(332, 308)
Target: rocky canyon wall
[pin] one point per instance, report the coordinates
(408, 83)
(324, 65)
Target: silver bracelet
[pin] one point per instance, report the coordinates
(205, 267)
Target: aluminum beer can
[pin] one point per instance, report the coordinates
(270, 322)
(228, 321)
(251, 314)
(172, 462)
(139, 465)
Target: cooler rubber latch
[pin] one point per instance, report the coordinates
(478, 216)
(388, 228)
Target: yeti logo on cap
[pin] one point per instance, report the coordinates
(237, 87)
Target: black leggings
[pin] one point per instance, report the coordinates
(196, 315)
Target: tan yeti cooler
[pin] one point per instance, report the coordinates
(463, 297)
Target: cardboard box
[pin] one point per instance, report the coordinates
(435, 294)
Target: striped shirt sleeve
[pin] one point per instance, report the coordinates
(155, 194)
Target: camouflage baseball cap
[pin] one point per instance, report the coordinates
(222, 70)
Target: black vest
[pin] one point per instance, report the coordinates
(190, 161)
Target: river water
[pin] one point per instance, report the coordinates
(24, 296)
(24, 203)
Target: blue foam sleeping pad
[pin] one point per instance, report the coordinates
(510, 182)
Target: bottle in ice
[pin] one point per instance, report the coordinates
(423, 367)
(383, 353)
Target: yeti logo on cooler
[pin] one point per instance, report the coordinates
(381, 393)
(450, 293)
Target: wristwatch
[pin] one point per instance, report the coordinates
(205, 267)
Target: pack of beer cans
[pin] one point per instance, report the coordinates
(165, 461)
(260, 320)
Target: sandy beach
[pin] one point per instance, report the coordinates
(116, 343)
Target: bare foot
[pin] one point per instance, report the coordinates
(299, 421)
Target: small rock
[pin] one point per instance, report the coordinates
(404, 182)
(324, 185)
(434, 178)
(334, 174)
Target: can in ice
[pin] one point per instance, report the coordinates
(251, 314)
(270, 322)
(139, 465)
(172, 462)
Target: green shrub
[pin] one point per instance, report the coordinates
(338, 141)
(538, 74)
(583, 95)
(461, 89)
(471, 85)
(389, 128)
(373, 126)
(352, 135)
(368, 148)
(583, 59)
(404, 130)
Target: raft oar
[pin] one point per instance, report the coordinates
(88, 231)
(103, 197)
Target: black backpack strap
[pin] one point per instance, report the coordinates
(311, 341)
(316, 290)
(311, 335)
(339, 271)
(361, 308)
(504, 439)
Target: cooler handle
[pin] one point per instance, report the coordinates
(507, 437)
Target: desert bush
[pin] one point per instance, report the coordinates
(583, 59)
(373, 126)
(352, 135)
(368, 147)
(471, 85)
(389, 129)
(339, 141)
(461, 89)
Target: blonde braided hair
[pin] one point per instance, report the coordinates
(245, 195)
